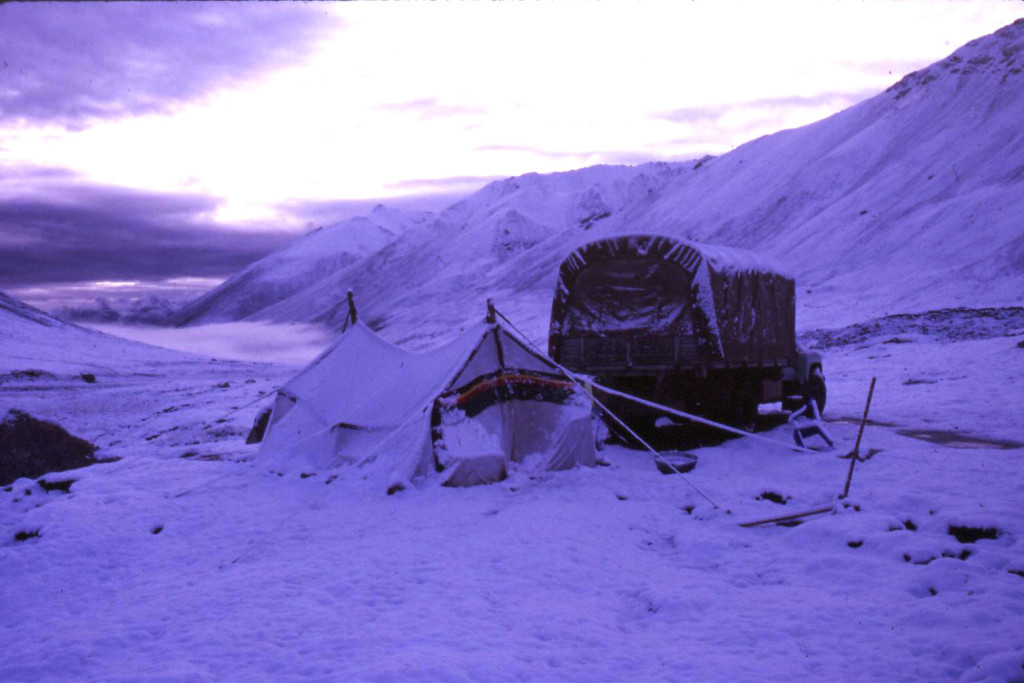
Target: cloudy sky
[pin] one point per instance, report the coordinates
(159, 147)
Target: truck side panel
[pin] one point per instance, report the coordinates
(756, 318)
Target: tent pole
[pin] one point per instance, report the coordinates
(854, 455)
(352, 306)
(491, 314)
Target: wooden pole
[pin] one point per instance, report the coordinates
(854, 455)
(787, 518)
(351, 306)
(492, 316)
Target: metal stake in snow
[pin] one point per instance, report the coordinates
(854, 455)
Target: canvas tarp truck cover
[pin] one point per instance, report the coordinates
(467, 410)
(676, 302)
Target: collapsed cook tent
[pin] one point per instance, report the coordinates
(466, 410)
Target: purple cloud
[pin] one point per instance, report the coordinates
(537, 151)
(69, 63)
(67, 231)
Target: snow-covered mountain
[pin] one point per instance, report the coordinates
(298, 266)
(15, 313)
(907, 201)
(438, 275)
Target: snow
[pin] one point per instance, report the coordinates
(189, 559)
(213, 567)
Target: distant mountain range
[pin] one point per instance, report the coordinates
(33, 343)
(913, 199)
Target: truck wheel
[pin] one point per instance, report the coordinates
(815, 390)
(745, 407)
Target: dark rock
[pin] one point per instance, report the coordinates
(973, 534)
(61, 485)
(30, 448)
(88, 378)
(32, 374)
(776, 498)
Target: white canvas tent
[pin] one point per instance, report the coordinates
(466, 411)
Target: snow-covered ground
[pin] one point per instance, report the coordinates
(187, 559)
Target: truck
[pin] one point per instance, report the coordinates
(704, 329)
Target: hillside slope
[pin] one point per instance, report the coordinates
(910, 200)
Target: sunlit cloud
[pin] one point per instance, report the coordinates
(771, 106)
(430, 107)
(467, 184)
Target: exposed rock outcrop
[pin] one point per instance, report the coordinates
(30, 448)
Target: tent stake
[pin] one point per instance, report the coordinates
(854, 455)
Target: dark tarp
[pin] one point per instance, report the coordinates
(650, 301)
